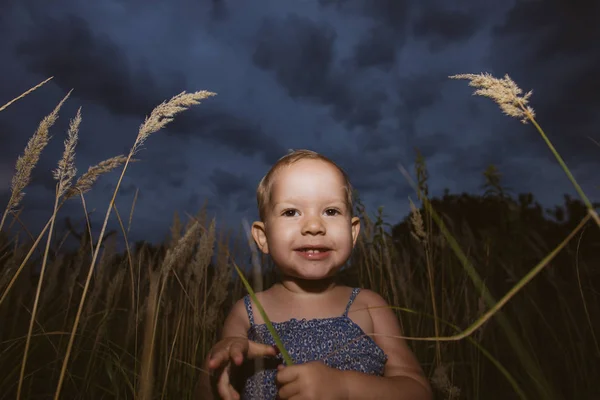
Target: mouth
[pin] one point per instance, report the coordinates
(314, 253)
(312, 249)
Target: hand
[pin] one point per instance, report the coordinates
(234, 349)
(310, 381)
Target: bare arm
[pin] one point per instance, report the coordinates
(403, 377)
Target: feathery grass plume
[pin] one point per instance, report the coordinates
(442, 382)
(182, 250)
(165, 113)
(30, 158)
(504, 92)
(507, 95)
(39, 85)
(87, 180)
(416, 220)
(66, 170)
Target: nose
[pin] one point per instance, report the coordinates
(313, 226)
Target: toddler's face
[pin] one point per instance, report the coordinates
(308, 229)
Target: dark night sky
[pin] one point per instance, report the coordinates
(362, 81)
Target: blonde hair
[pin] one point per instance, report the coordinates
(265, 187)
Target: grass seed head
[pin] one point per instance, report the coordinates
(27, 162)
(66, 170)
(165, 113)
(87, 180)
(504, 92)
(416, 219)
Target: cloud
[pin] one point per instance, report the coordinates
(243, 135)
(227, 183)
(394, 14)
(417, 93)
(387, 34)
(103, 72)
(375, 49)
(361, 81)
(301, 55)
(219, 10)
(554, 48)
(441, 28)
(559, 27)
(233, 191)
(94, 65)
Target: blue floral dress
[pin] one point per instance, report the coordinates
(338, 342)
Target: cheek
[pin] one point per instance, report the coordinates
(342, 231)
(279, 235)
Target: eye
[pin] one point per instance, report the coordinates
(331, 212)
(289, 213)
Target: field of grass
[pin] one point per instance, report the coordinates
(98, 323)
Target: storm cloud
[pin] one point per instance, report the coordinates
(364, 82)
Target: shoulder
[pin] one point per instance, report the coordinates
(383, 316)
(372, 298)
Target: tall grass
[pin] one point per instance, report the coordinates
(97, 323)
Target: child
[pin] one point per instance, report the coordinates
(342, 346)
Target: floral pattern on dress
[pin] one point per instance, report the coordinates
(338, 342)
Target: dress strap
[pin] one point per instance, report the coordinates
(249, 309)
(351, 300)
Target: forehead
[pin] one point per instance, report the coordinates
(307, 178)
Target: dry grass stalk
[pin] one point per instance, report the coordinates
(27, 162)
(159, 117)
(147, 362)
(165, 113)
(220, 284)
(36, 301)
(66, 170)
(39, 85)
(133, 203)
(420, 234)
(83, 185)
(50, 121)
(504, 92)
(176, 228)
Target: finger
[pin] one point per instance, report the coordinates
(218, 358)
(290, 390)
(287, 374)
(237, 351)
(256, 350)
(224, 383)
(233, 394)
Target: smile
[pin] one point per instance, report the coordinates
(314, 253)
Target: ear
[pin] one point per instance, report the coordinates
(355, 229)
(260, 236)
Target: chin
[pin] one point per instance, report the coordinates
(313, 275)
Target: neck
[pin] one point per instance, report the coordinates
(301, 287)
